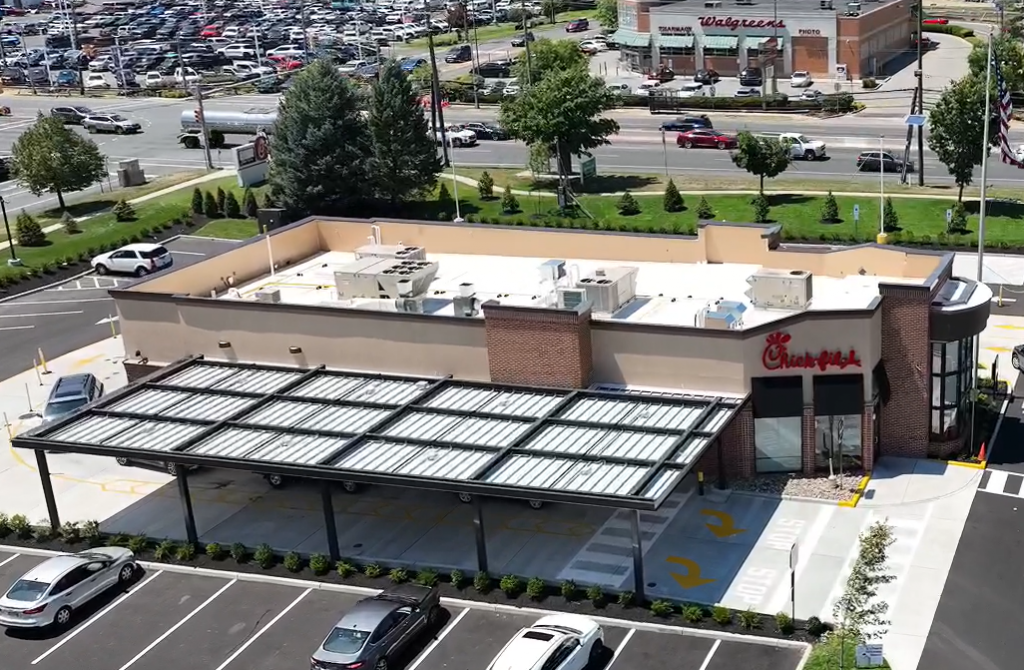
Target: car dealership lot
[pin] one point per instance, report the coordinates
(170, 618)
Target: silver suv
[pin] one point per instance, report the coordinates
(110, 123)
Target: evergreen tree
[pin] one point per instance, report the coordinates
(320, 145)
(445, 202)
(762, 209)
(404, 162)
(268, 201)
(628, 206)
(210, 208)
(232, 209)
(486, 186)
(50, 157)
(123, 211)
(673, 200)
(704, 210)
(197, 201)
(222, 199)
(28, 231)
(890, 219)
(829, 209)
(958, 224)
(249, 206)
(69, 224)
(509, 202)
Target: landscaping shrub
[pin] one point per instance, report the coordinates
(445, 202)
(20, 526)
(232, 209)
(319, 564)
(673, 201)
(704, 210)
(536, 589)
(628, 206)
(292, 562)
(138, 544)
(829, 209)
(749, 619)
(762, 209)
(222, 199)
(958, 223)
(210, 208)
(890, 219)
(398, 575)
(569, 590)
(816, 627)
(123, 211)
(595, 595)
(239, 552)
(268, 201)
(186, 552)
(511, 586)
(482, 582)
(249, 206)
(164, 551)
(427, 577)
(215, 551)
(28, 231)
(345, 568)
(456, 578)
(784, 622)
(5, 525)
(693, 613)
(721, 615)
(70, 532)
(509, 202)
(197, 206)
(69, 224)
(486, 186)
(373, 570)
(264, 556)
(626, 599)
(662, 608)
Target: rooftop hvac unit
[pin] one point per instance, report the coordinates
(552, 270)
(398, 251)
(608, 289)
(465, 305)
(387, 278)
(825, 4)
(571, 298)
(780, 289)
(712, 4)
(724, 315)
(269, 295)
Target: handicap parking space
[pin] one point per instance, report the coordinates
(167, 618)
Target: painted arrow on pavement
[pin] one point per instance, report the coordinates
(692, 577)
(726, 527)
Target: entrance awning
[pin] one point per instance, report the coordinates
(675, 41)
(721, 41)
(630, 38)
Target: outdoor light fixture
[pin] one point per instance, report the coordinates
(294, 350)
(224, 344)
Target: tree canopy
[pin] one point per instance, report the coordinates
(760, 156)
(547, 56)
(1009, 53)
(956, 126)
(607, 14)
(320, 149)
(562, 111)
(404, 163)
(49, 157)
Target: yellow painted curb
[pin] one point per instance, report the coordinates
(964, 464)
(863, 484)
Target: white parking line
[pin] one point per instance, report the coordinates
(98, 616)
(622, 645)
(16, 328)
(263, 630)
(187, 253)
(25, 316)
(8, 560)
(437, 640)
(176, 626)
(711, 655)
(61, 302)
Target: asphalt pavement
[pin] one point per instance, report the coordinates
(170, 619)
(71, 315)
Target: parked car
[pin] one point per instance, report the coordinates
(71, 115)
(238, 51)
(459, 54)
(558, 642)
(812, 95)
(751, 76)
(705, 138)
(800, 79)
(378, 629)
(110, 123)
(685, 123)
(138, 259)
(935, 22)
(593, 47)
(577, 26)
(876, 161)
(50, 593)
(708, 77)
(747, 92)
(493, 70)
(95, 80)
(692, 89)
(522, 40)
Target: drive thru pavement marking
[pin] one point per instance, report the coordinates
(727, 527)
(692, 578)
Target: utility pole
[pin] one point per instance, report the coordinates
(435, 103)
(526, 43)
(476, 54)
(70, 6)
(202, 125)
(181, 66)
(920, 92)
(775, 47)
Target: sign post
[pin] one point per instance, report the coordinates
(588, 168)
(869, 655)
(856, 219)
(794, 558)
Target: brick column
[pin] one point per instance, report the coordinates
(737, 441)
(538, 346)
(906, 352)
(867, 438)
(136, 370)
(810, 465)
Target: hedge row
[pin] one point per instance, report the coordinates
(956, 31)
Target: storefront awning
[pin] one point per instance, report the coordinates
(759, 41)
(675, 41)
(629, 38)
(721, 41)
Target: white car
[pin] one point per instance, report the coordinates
(133, 259)
(692, 90)
(48, 594)
(812, 95)
(287, 50)
(95, 80)
(456, 137)
(511, 89)
(593, 46)
(556, 642)
(647, 87)
(801, 79)
(351, 66)
(101, 64)
(237, 51)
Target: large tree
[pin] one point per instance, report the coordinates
(760, 156)
(607, 14)
(320, 149)
(49, 157)
(1009, 54)
(956, 126)
(562, 111)
(404, 164)
(547, 56)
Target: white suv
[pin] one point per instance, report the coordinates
(134, 259)
(557, 642)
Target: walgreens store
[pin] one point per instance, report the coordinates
(729, 36)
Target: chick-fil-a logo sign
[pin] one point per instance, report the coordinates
(777, 356)
(734, 24)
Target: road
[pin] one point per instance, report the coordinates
(74, 314)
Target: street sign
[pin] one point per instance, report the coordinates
(839, 87)
(949, 216)
(712, 90)
(794, 556)
(260, 148)
(856, 212)
(916, 120)
(588, 168)
(869, 655)
(841, 71)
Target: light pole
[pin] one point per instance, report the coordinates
(10, 240)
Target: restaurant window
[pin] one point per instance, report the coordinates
(730, 52)
(837, 442)
(778, 416)
(952, 364)
(678, 52)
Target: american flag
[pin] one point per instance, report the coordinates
(1005, 114)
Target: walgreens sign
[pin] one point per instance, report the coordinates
(732, 23)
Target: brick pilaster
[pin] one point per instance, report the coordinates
(737, 441)
(810, 465)
(906, 352)
(867, 438)
(538, 346)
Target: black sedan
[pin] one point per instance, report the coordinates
(683, 124)
(522, 40)
(493, 70)
(878, 161)
(487, 131)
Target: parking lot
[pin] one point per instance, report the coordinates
(168, 619)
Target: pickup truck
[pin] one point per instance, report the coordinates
(800, 146)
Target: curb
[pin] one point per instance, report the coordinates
(804, 499)
(964, 464)
(859, 492)
(455, 602)
(45, 287)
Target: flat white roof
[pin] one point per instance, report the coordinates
(674, 294)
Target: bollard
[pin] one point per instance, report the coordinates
(42, 361)
(700, 483)
(28, 396)
(9, 427)
(1000, 295)
(35, 366)
(113, 330)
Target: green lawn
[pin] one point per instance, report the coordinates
(102, 232)
(229, 229)
(825, 656)
(498, 32)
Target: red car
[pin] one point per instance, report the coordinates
(935, 22)
(705, 137)
(578, 26)
(210, 31)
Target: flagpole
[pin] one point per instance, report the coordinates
(984, 162)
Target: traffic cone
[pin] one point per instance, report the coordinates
(981, 454)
